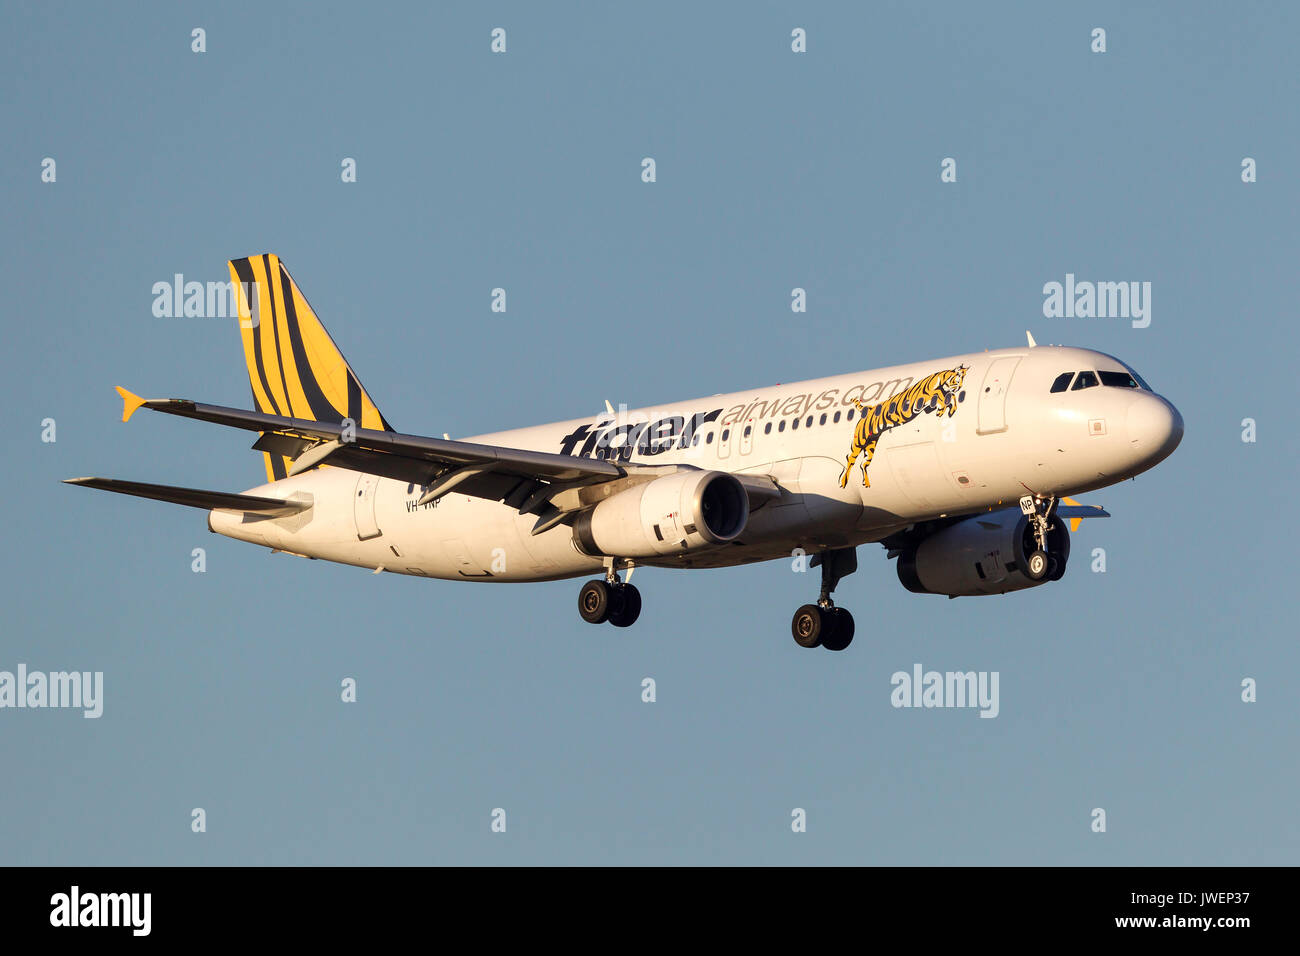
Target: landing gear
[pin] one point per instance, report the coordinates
(1041, 563)
(823, 624)
(1038, 565)
(808, 624)
(609, 600)
(594, 602)
(841, 635)
(629, 608)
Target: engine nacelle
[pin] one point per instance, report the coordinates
(981, 555)
(683, 511)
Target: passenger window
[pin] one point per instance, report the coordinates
(837, 418)
(1062, 382)
(850, 415)
(1085, 380)
(767, 429)
(808, 424)
(748, 429)
(726, 433)
(795, 423)
(823, 420)
(780, 426)
(1118, 379)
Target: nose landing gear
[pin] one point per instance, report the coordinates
(610, 600)
(823, 624)
(1041, 563)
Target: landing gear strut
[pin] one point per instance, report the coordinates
(1040, 511)
(823, 624)
(610, 600)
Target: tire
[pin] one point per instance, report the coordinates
(628, 609)
(1037, 566)
(841, 635)
(595, 601)
(810, 626)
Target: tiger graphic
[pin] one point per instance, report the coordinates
(938, 393)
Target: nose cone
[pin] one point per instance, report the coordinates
(1154, 429)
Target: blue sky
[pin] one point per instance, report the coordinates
(775, 170)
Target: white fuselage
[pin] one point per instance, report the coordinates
(1009, 435)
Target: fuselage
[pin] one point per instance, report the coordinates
(929, 452)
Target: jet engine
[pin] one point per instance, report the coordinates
(987, 554)
(683, 511)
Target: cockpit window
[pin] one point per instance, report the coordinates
(1085, 380)
(1062, 382)
(1118, 379)
(1141, 382)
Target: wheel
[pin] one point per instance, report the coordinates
(1037, 566)
(811, 625)
(629, 608)
(841, 635)
(807, 626)
(595, 601)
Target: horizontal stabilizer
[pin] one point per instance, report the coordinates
(196, 498)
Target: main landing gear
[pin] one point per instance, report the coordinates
(610, 600)
(1040, 563)
(823, 624)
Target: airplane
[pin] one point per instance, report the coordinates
(963, 468)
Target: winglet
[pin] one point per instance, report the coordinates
(130, 402)
(1074, 522)
(1077, 512)
(1030, 335)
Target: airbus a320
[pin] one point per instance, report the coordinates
(962, 467)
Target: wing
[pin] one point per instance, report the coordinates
(552, 486)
